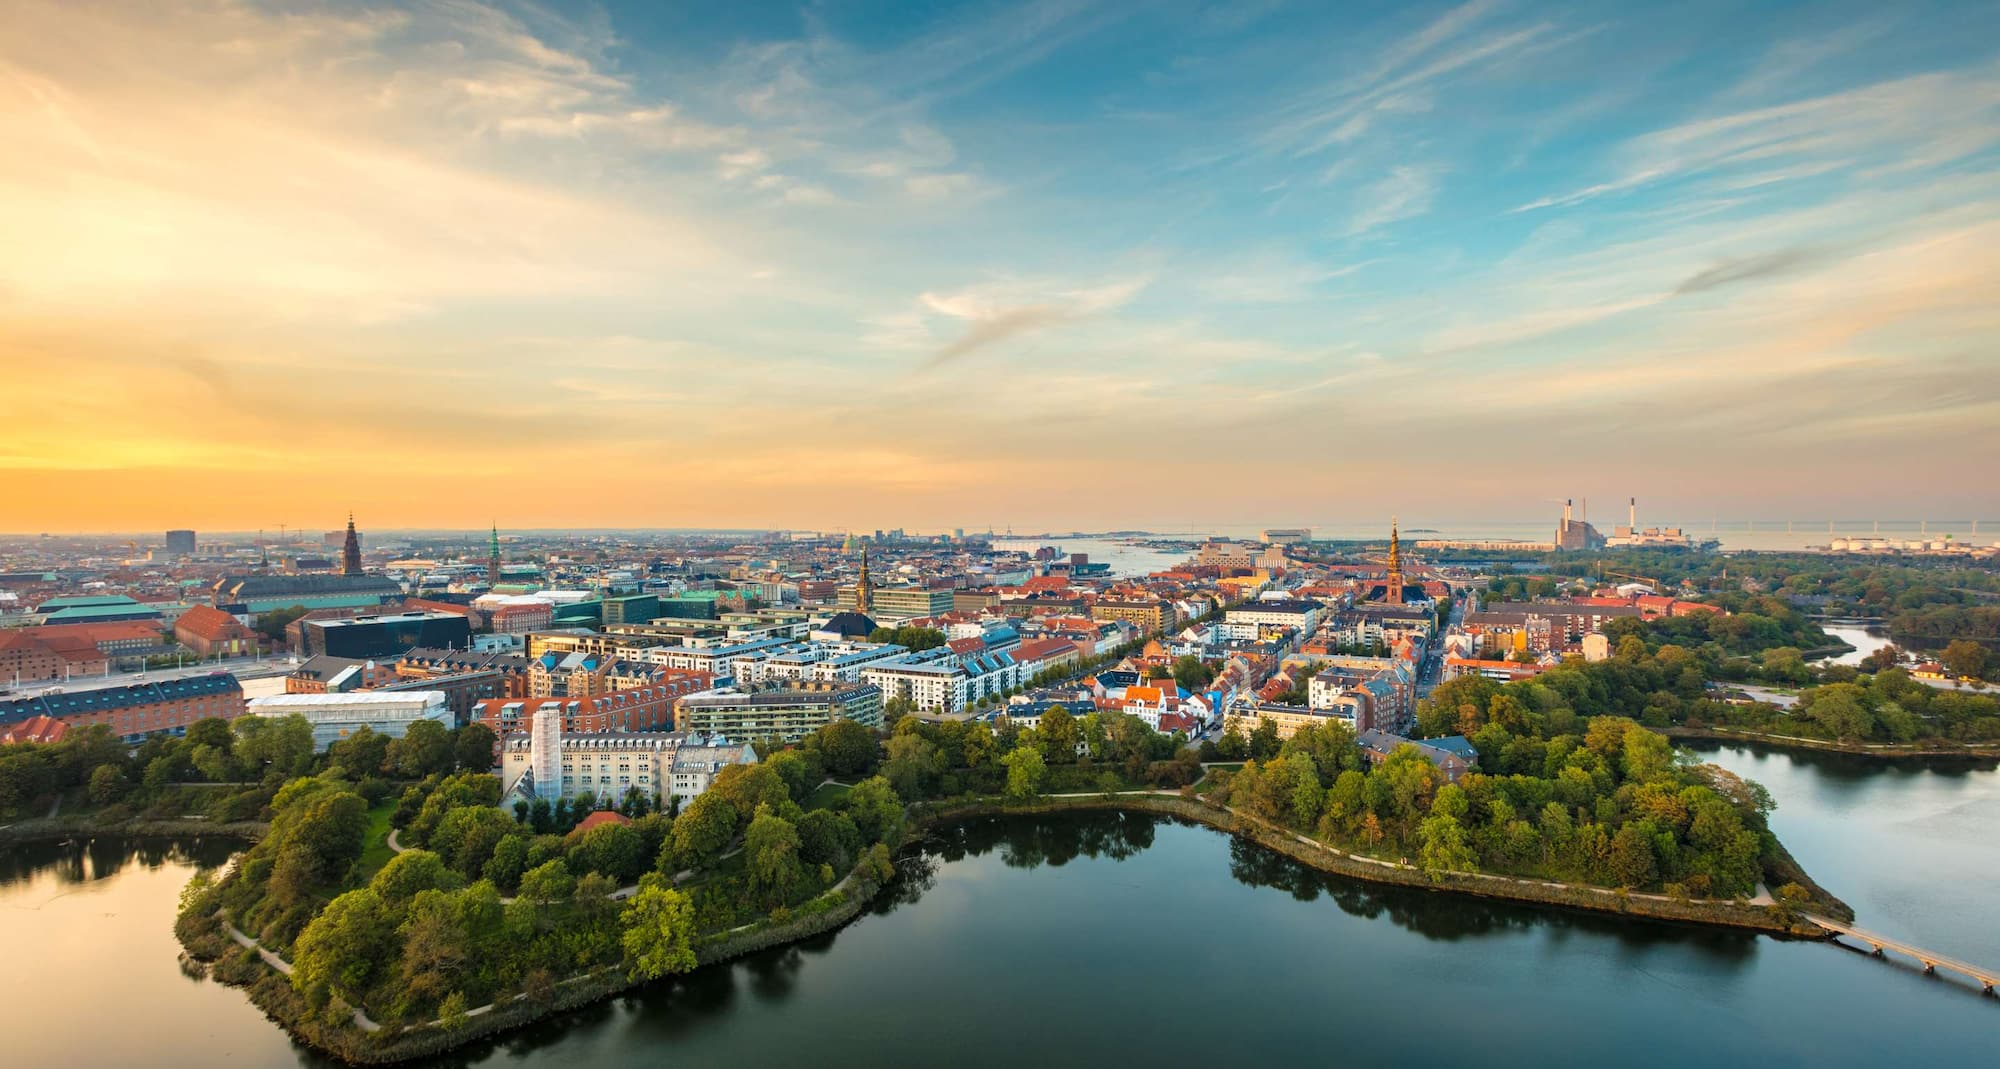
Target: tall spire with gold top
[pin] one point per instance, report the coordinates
(1393, 594)
(864, 588)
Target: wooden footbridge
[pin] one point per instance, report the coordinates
(1882, 945)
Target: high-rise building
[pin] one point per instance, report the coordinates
(180, 543)
(350, 550)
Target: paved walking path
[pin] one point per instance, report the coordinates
(361, 1020)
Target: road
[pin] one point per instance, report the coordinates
(1433, 665)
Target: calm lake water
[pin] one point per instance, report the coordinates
(1092, 939)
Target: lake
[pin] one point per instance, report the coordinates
(1088, 939)
(1865, 638)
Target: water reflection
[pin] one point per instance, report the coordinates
(76, 861)
(1031, 842)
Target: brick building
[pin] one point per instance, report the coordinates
(28, 657)
(134, 712)
(210, 632)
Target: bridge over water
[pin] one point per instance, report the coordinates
(1881, 945)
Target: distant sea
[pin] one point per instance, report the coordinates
(1771, 536)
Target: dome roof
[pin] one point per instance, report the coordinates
(850, 625)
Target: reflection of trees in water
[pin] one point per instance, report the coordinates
(1028, 842)
(1845, 768)
(1447, 916)
(915, 874)
(82, 860)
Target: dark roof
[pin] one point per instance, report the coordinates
(1457, 744)
(324, 666)
(105, 699)
(849, 625)
(244, 587)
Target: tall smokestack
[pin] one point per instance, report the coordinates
(1585, 516)
(1632, 513)
(1567, 504)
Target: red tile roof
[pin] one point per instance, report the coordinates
(601, 818)
(209, 623)
(36, 729)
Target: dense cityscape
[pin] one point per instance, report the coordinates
(552, 533)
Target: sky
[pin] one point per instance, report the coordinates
(1053, 264)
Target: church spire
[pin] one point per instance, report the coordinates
(1394, 593)
(864, 589)
(493, 563)
(350, 551)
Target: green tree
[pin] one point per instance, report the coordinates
(547, 884)
(771, 849)
(1232, 746)
(1191, 674)
(658, 932)
(700, 832)
(1444, 847)
(410, 873)
(424, 748)
(345, 949)
(792, 767)
(107, 784)
(273, 747)
(272, 624)
(1965, 658)
(472, 748)
(211, 731)
(848, 748)
(616, 850)
(1632, 861)
(876, 809)
(509, 861)
(913, 765)
(360, 755)
(1264, 743)
(745, 787)
(1058, 735)
(1025, 772)
(828, 838)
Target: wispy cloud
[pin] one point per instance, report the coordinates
(1404, 193)
(995, 314)
(1747, 268)
(1934, 118)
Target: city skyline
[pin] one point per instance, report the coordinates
(1029, 265)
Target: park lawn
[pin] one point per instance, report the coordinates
(826, 796)
(375, 851)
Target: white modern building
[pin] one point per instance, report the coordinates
(336, 716)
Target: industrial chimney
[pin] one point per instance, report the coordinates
(1632, 513)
